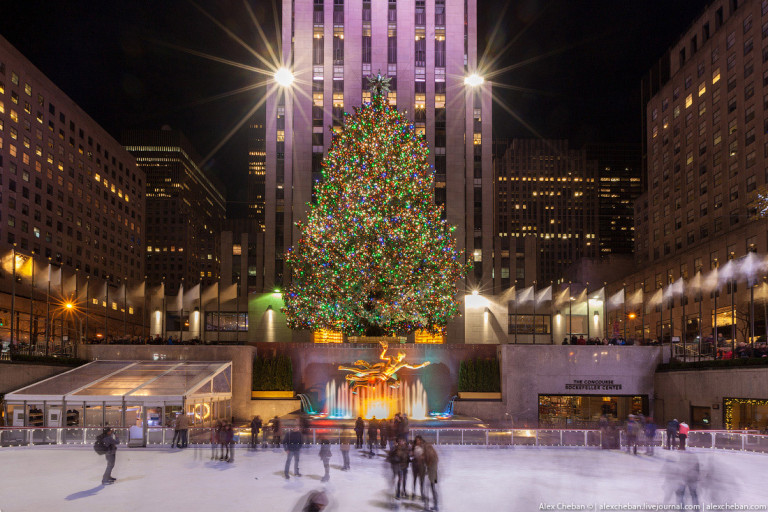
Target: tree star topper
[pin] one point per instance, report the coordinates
(379, 85)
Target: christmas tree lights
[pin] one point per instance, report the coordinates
(374, 256)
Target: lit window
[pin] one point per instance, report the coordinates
(715, 76)
(702, 89)
(688, 100)
(477, 138)
(280, 135)
(237, 250)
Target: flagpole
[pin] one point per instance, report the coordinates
(714, 322)
(534, 312)
(237, 311)
(218, 311)
(48, 310)
(144, 311)
(624, 307)
(642, 307)
(516, 326)
(751, 314)
(181, 312)
(733, 318)
(13, 292)
(701, 318)
(32, 304)
(200, 327)
(125, 307)
(588, 322)
(87, 300)
(106, 312)
(570, 324)
(662, 316)
(684, 324)
(162, 320)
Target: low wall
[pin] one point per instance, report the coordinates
(241, 356)
(493, 411)
(15, 376)
(678, 391)
(270, 408)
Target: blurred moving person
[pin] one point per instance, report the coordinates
(325, 456)
(359, 429)
(292, 445)
(255, 429)
(430, 459)
(650, 435)
(398, 458)
(373, 427)
(682, 434)
(276, 431)
(418, 467)
(672, 429)
(344, 446)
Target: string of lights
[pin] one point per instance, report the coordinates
(374, 256)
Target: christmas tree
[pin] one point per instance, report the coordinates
(375, 256)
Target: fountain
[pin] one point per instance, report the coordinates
(379, 400)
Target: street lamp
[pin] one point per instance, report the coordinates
(473, 80)
(284, 77)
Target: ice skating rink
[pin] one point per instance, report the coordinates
(471, 479)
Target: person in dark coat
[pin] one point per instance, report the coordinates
(325, 456)
(430, 459)
(316, 502)
(276, 431)
(111, 442)
(344, 447)
(650, 435)
(373, 428)
(359, 429)
(399, 458)
(403, 427)
(418, 467)
(292, 445)
(383, 433)
(255, 429)
(672, 428)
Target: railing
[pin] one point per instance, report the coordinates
(706, 439)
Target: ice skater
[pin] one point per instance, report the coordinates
(650, 435)
(632, 433)
(344, 447)
(176, 433)
(672, 428)
(182, 423)
(325, 456)
(215, 434)
(292, 446)
(110, 442)
(398, 458)
(430, 459)
(359, 429)
(418, 467)
(372, 434)
(276, 431)
(255, 428)
(682, 434)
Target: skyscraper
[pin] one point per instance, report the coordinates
(428, 49)
(185, 210)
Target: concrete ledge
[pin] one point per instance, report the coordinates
(476, 395)
(271, 407)
(486, 410)
(256, 395)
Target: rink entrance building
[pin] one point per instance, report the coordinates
(141, 394)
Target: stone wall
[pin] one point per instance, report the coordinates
(14, 376)
(529, 371)
(678, 391)
(273, 407)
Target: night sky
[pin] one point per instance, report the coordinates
(121, 63)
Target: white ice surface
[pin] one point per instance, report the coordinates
(471, 479)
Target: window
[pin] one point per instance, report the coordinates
(730, 40)
(734, 195)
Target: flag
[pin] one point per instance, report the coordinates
(727, 272)
(54, 275)
(545, 294)
(508, 295)
(68, 284)
(674, 289)
(191, 297)
(136, 293)
(525, 295)
(751, 267)
(229, 293)
(179, 302)
(709, 283)
(563, 297)
(616, 300)
(636, 297)
(210, 294)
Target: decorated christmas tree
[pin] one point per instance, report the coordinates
(375, 256)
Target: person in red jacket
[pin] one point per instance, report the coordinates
(682, 434)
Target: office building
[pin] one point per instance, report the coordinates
(185, 210)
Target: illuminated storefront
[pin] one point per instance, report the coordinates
(745, 413)
(584, 411)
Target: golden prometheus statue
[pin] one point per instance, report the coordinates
(365, 374)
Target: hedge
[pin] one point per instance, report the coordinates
(273, 373)
(480, 375)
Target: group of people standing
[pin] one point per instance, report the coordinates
(639, 431)
(223, 437)
(677, 434)
(381, 431)
(422, 458)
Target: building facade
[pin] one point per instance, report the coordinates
(427, 49)
(619, 185)
(546, 194)
(257, 158)
(72, 206)
(707, 148)
(185, 210)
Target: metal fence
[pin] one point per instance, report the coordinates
(748, 441)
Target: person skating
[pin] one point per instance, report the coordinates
(325, 456)
(276, 431)
(110, 443)
(344, 447)
(215, 434)
(632, 433)
(359, 429)
(182, 423)
(403, 427)
(418, 467)
(430, 459)
(373, 429)
(682, 434)
(292, 446)
(316, 502)
(256, 426)
(176, 433)
(672, 428)
(650, 435)
(398, 458)
(383, 433)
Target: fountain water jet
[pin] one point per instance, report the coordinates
(381, 401)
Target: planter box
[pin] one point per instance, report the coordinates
(474, 395)
(271, 394)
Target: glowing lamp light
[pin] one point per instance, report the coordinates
(69, 305)
(473, 80)
(475, 292)
(632, 316)
(284, 77)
